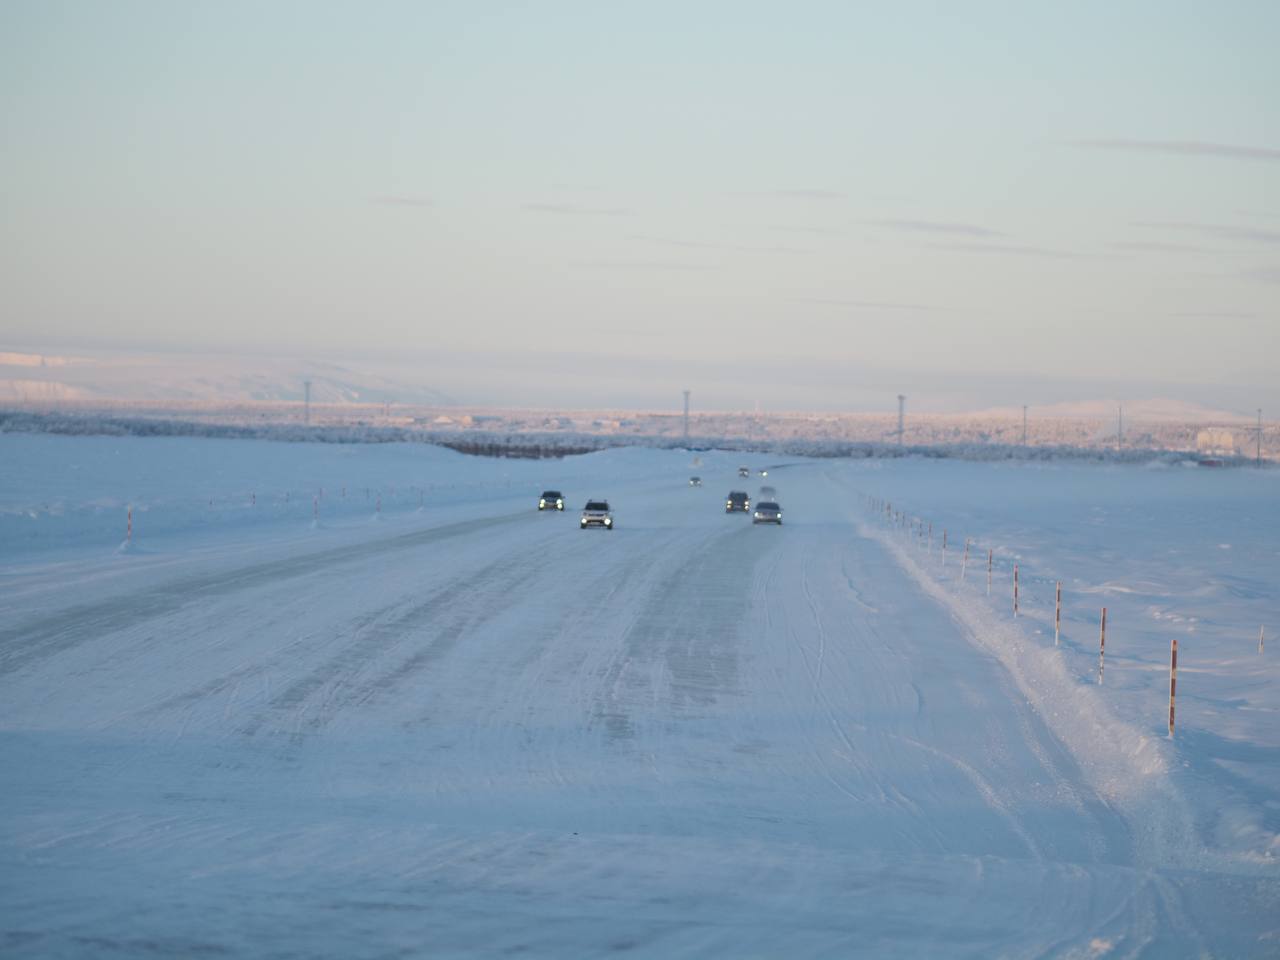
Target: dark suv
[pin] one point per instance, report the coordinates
(551, 500)
(737, 502)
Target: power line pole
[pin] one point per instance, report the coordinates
(902, 400)
(686, 414)
(306, 403)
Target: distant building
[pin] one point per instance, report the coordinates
(1216, 442)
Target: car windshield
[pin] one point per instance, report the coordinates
(766, 506)
(737, 496)
(597, 505)
(550, 494)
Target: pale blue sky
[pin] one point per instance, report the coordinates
(817, 195)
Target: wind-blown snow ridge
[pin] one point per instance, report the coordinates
(1127, 767)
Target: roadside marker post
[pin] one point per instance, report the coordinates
(944, 548)
(964, 561)
(1173, 681)
(1015, 589)
(1261, 632)
(1057, 613)
(128, 530)
(1102, 643)
(989, 552)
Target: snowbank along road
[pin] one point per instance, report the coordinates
(479, 730)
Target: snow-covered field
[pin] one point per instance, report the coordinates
(454, 726)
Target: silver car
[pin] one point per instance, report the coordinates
(767, 511)
(596, 514)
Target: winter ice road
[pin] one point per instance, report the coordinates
(493, 733)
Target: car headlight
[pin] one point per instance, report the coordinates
(559, 503)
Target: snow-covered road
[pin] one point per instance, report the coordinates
(480, 730)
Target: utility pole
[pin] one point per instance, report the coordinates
(686, 414)
(1024, 424)
(902, 400)
(306, 403)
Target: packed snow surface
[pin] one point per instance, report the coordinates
(367, 701)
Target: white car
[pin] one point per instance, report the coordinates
(596, 514)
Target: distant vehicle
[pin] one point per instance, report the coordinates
(764, 473)
(744, 471)
(768, 493)
(767, 511)
(695, 481)
(737, 502)
(551, 500)
(596, 514)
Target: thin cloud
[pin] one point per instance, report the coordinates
(1005, 249)
(809, 194)
(399, 200)
(816, 231)
(640, 265)
(1264, 274)
(700, 245)
(865, 304)
(1185, 148)
(934, 226)
(573, 210)
(1213, 315)
(797, 194)
(1222, 232)
(1154, 246)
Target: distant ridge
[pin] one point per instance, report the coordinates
(1154, 410)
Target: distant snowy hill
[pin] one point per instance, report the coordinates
(186, 378)
(1154, 410)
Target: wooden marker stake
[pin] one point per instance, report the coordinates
(1102, 643)
(1261, 631)
(1015, 589)
(944, 548)
(1173, 681)
(1057, 614)
(128, 530)
(989, 572)
(964, 561)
